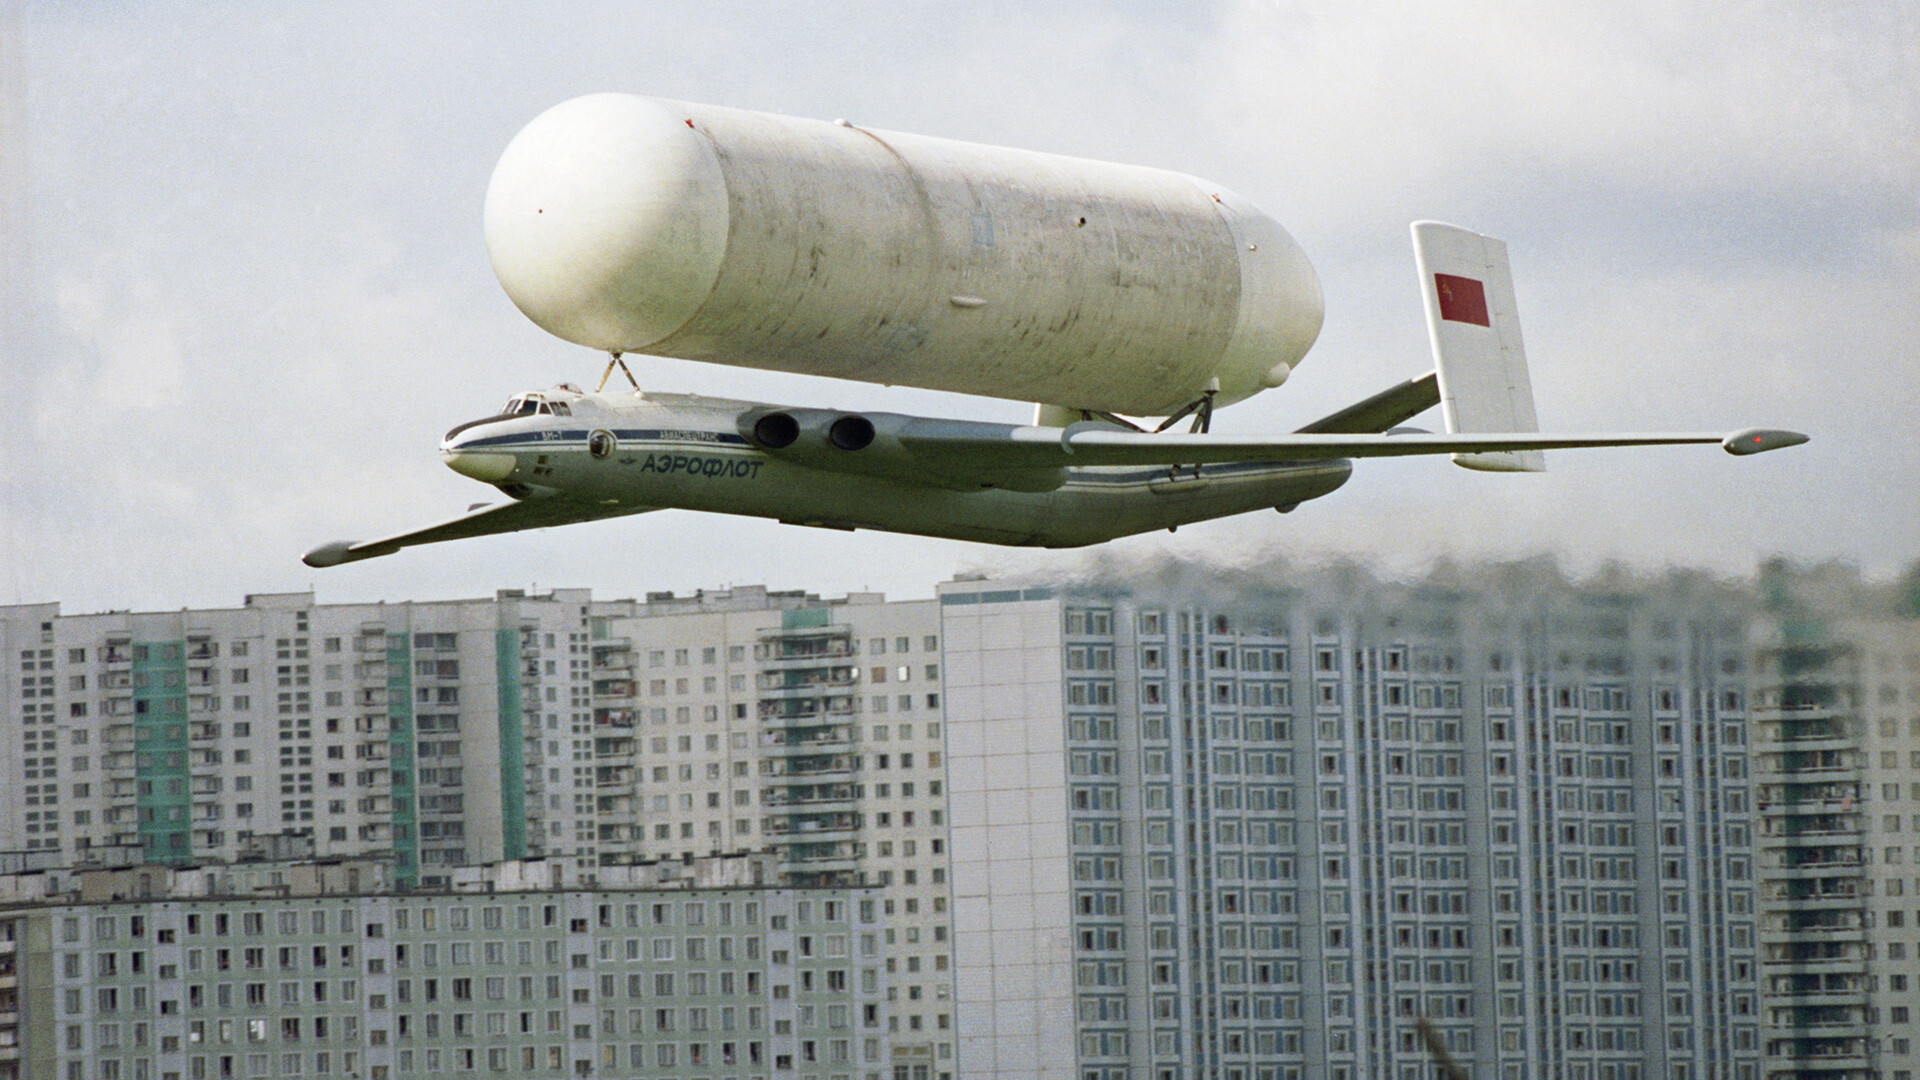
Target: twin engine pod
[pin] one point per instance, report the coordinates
(779, 430)
(842, 442)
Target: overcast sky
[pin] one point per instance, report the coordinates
(245, 288)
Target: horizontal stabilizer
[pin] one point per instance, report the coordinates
(1473, 323)
(1387, 409)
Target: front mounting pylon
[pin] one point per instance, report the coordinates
(612, 359)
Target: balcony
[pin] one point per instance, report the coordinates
(821, 795)
(618, 718)
(807, 710)
(608, 745)
(613, 688)
(1811, 830)
(811, 768)
(1820, 1054)
(1808, 990)
(1800, 950)
(613, 776)
(806, 682)
(1819, 923)
(1822, 764)
(612, 658)
(815, 826)
(823, 854)
(811, 741)
(805, 653)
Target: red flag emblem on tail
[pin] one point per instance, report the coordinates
(1462, 299)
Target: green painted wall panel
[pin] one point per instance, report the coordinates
(163, 798)
(513, 767)
(406, 831)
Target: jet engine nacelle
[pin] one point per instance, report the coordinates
(869, 443)
(633, 224)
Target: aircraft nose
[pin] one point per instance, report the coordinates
(486, 466)
(490, 468)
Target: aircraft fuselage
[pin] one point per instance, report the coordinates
(699, 453)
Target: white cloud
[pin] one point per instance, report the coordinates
(1379, 104)
(130, 355)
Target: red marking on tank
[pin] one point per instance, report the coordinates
(1462, 299)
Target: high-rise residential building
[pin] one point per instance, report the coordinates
(727, 980)
(588, 733)
(808, 729)
(1267, 829)
(1837, 717)
(1264, 826)
(447, 733)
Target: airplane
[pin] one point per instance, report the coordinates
(1070, 479)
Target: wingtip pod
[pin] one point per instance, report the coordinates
(342, 551)
(327, 554)
(1760, 440)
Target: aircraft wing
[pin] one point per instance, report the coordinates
(938, 443)
(502, 518)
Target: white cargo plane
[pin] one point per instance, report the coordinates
(564, 455)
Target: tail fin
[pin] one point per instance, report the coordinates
(1474, 325)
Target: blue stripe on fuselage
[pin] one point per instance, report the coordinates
(579, 437)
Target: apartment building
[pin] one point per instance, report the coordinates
(448, 733)
(1837, 719)
(722, 981)
(591, 734)
(1261, 830)
(808, 729)
(1258, 826)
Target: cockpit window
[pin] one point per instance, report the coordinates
(525, 406)
(561, 408)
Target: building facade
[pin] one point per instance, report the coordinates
(446, 733)
(591, 734)
(1838, 731)
(1246, 826)
(1265, 833)
(720, 982)
(808, 729)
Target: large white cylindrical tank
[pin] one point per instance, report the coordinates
(639, 225)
